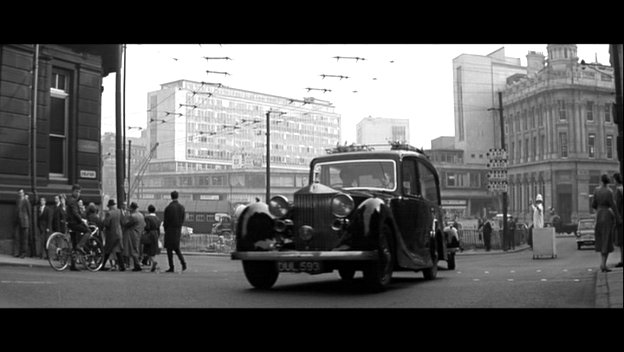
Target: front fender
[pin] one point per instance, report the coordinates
(254, 224)
(367, 221)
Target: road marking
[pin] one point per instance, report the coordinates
(459, 272)
(543, 280)
(512, 271)
(510, 280)
(590, 269)
(539, 270)
(565, 270)
(475, 280)
(26, 282)
(577, 280)
(487, 272)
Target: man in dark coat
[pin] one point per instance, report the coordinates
(76, 223)
(172, 223)
(44, 220)
(22, 224)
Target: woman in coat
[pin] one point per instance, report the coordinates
(133, 226)
(605, 221)
(112, 233)
(152, 232)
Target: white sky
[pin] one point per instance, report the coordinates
(418, 86)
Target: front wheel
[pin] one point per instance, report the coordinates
(260, 274)
(59, 251)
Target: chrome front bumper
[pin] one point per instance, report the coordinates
(307, 255)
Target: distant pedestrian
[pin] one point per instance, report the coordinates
(152, 232)
(113, 235)
(133, 225)
(619, 214)
(512, 234)
(22, 225)
(606, 219)
(44, 220)
(538, 212)
(172, 223)
(486, 227)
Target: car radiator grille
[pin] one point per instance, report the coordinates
(315, 210)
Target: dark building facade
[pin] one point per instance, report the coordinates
(66, 142)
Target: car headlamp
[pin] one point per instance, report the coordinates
(342, 205)
(279, 206)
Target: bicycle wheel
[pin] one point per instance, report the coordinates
(59, 251)
(93, 258)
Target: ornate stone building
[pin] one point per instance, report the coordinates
(560, 132)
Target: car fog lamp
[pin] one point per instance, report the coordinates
(306, 232)
(342, 205)
(278, 206)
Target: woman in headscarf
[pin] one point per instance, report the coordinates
(605, 221)
(112, 231)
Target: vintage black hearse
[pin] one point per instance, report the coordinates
(374, 211)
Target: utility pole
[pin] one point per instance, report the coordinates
(502, 127)
(119, 145)
(268, 157)
(507, 242)
(129, 167)
(33, 126)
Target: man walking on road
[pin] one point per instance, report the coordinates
(172, 223)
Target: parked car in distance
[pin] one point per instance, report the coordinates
(363, 210)
(585, 235)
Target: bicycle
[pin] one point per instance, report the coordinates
(60, 250)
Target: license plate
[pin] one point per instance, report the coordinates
(298, 267)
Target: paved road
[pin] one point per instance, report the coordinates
(512, 280)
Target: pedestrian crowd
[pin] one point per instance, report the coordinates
(129, 237)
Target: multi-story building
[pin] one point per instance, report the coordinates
(206, 126)
(560, 132)
(476, 81)
(379, 131)
(463, 187)
(47, 146)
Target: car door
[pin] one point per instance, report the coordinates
(430, 197)
(411, 212)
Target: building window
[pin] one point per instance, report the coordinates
(563, 143)
(534, 149)
(562, 111)
(590, 111)
(526, 149)
(591, 145)
(542, 146)
(59, 121)
(607, 112)
(519, 151)
(451, 179)
(609, 143)
(525, 120)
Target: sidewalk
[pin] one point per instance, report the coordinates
(609, 292)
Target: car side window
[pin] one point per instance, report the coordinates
(428, 183)
(410, 184)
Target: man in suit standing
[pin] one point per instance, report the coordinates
(172, 223)
(44, 216)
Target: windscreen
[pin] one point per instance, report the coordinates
(357, 174)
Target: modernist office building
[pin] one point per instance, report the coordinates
(561, 133)
(202, 127)
(379, 131)
(476, 81)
